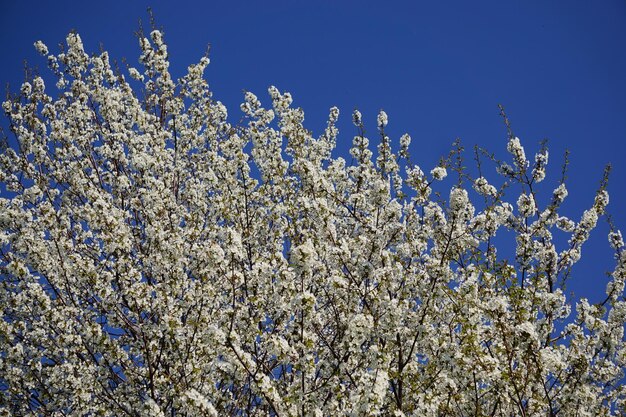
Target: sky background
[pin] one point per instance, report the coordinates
(438, 68)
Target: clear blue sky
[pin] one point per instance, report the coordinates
(438, 68)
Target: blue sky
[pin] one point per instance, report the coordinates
(438, 68)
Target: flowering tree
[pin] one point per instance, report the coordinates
(157, 260)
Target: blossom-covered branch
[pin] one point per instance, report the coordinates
(158, 260)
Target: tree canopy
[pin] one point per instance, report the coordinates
(159, 260)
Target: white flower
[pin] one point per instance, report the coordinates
(382, 120)
(135, 74)
(459, 199)
(26, 89)
(526, 205)
(552, 360)
(201, 403)
(484, 188)
(38, 85)
(565, 224)
(517, 150)
(589, 219)
(405, 141)
(41, 48)
(439, 173)
(157, 37)
(539, 170)
(506, 170)
(601, 200)
(156, 257)
(616, 240)
(333, 115)
(304, 255)
(560, 193)
(527, 330)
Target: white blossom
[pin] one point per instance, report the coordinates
(482, 186)
(526, 205)
(516, 149)
(160, 259)
(565, 224)
(439, 173)
(616, 240)
(405, 141)
(539, 170)
(135, 74)
(41, 48)
(382, 120)
(560, 193)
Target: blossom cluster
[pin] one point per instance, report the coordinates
(158, 260)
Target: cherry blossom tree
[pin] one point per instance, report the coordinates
(157, 260)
